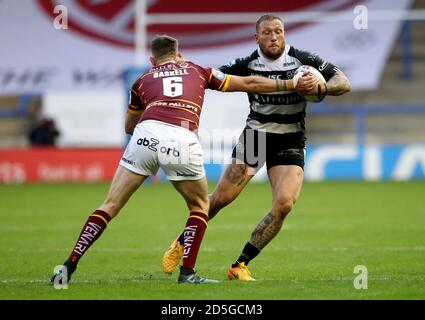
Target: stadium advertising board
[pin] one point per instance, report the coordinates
(323, 162)
(368, 162)
(58, 165)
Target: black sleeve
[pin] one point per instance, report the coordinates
(327, 69)
(236, 67)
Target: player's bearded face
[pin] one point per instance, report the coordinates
(270, 38)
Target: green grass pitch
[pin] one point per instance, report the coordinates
(334, 227)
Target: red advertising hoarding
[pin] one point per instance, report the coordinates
(58, 165)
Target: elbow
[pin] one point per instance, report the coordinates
(129, 127)
(347, 87)
(129, 130)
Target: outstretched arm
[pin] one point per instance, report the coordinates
(256, 84)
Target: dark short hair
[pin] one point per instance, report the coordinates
(266, 17)
(164, 46)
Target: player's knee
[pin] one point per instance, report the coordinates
(282, 206)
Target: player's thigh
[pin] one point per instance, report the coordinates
(286, 182)
(123, 185)
(195, 192)
(247, 158)
(181, 155)
(141, 154)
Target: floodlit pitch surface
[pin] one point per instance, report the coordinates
(334, 227)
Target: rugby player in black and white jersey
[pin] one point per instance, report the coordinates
(280, 119)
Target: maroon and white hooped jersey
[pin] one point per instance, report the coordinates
(174, 93)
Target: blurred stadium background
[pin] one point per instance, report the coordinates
(77, 72)
(78, 77)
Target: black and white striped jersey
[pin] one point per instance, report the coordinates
(280, 112)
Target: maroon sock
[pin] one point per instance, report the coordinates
(193, 234)
(91, 231)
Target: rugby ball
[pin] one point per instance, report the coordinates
(320, 79)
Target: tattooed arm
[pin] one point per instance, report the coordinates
(338, 84)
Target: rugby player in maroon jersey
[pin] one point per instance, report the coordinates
(163, 116)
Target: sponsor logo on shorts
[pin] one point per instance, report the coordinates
(152, 144)
(149, 143)
(186, 174)
(291, 153)
(128, 161)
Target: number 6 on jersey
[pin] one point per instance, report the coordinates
(172, 86)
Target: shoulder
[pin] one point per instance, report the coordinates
(239, 66)
(198, 69)
(302, 55)
(242, 61)
(136, 84)
(144, 75)
(192, 65)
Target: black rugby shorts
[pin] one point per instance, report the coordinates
(257, 148)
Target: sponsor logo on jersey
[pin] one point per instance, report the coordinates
(284, 99)
(312, 56)
(290, 73)
(323, 66)
(287, 64)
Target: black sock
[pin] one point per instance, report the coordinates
(249, 252)
(181, 238)
(184, 270)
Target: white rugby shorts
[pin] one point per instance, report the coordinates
(156, 144)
